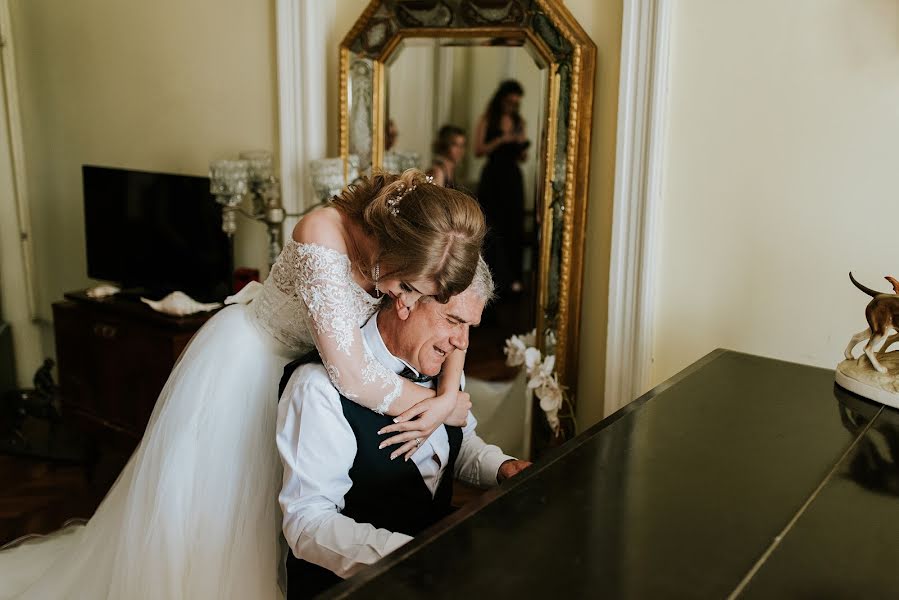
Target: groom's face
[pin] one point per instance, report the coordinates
(433, 330)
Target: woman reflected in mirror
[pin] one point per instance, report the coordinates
(500, 136)
(390, 135)
(449, 149)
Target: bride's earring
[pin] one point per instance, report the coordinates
(377, 276)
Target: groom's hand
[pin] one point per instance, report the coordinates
(510, 468)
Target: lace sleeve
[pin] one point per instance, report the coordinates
(334, 313)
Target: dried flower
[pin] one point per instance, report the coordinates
(514, 351)
(538, 371)
(543, 382)
(530, 338)
(531, 360)
(550, 395)
(550, 341)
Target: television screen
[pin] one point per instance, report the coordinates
(157, 232)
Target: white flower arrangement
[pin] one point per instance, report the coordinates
(521, 350)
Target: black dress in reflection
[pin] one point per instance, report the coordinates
(501, 194)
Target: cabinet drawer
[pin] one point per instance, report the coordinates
(111, 367)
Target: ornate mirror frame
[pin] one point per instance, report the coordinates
(557, 43)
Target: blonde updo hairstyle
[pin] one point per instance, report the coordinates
(424, 231)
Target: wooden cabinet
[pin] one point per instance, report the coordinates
(114, 357)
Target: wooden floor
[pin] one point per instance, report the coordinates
(39, 496)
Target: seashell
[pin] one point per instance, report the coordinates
(180, 304)
(102, 291)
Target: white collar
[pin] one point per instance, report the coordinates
(371, 335)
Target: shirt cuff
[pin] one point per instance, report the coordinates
(395, 541)
(491, 466)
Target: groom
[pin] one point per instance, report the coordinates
(346, 504)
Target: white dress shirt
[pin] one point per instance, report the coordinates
(318, 448)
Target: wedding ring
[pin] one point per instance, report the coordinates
(417, 442)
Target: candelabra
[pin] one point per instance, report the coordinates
(330, 175)
(397, 162)
(252, 175)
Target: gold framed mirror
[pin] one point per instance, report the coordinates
(404, 60)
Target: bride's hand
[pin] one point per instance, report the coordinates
(459, 416)
(420, 421)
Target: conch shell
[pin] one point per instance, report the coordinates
(180, 304)
(102, 291)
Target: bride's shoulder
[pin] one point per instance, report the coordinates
(322, 227)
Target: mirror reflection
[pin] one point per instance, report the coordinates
(470, 115)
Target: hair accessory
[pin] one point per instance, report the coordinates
(401, 191)
(429, 179)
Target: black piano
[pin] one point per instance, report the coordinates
(741, 477)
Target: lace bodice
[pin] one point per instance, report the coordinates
(311, 299)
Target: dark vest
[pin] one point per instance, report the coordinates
(388, 494)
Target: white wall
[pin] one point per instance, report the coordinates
(159, 86)
(782, 174)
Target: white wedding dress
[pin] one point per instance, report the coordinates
(195, 514)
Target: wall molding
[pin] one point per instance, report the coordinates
(288, 24)
(302, 27)
(642, 124)
(17, 267)
(17, 154)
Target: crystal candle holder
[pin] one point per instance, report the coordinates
(228, 183)
(261, 177)
(259, 164)
(328, 178)
(397, 162)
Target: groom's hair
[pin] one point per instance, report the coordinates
(482, 283)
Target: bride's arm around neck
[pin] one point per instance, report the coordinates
(352, 369)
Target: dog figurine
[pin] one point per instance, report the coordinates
(895, 337)
(894, 282)
(882, 314)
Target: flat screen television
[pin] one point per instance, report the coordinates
(153, 233)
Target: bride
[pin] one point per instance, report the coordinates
(195, 514)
